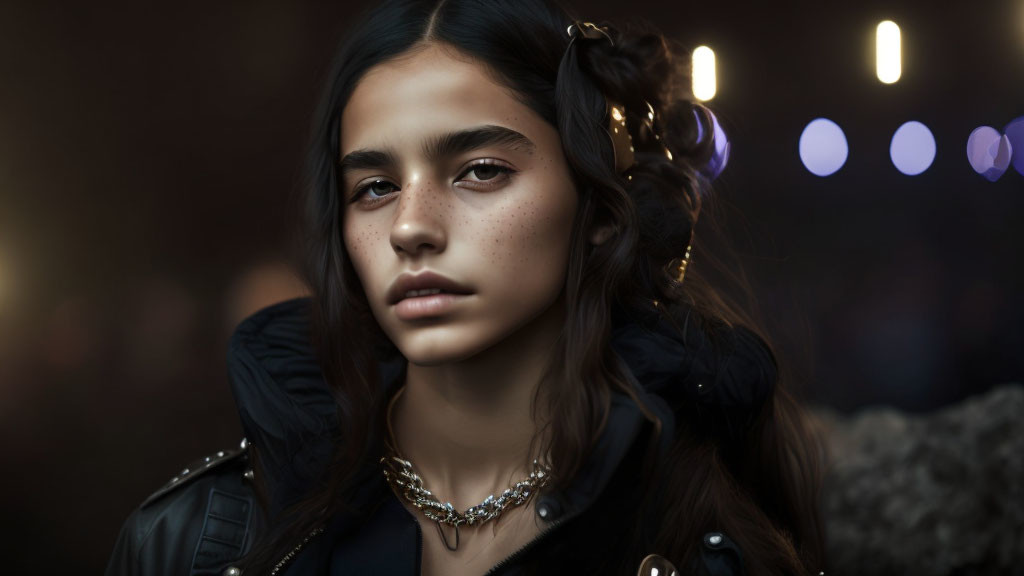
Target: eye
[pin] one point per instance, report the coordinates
(372, 190)
(487, 171)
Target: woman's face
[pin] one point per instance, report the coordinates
(444, 171)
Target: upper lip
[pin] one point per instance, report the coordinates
(422, 281)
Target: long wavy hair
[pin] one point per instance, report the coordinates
(768, 503)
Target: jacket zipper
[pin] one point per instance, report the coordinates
(298, 548)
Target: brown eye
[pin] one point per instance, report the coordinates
(373, 190)
(379, 187)
(487, 172)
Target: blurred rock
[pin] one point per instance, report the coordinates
(929, 494)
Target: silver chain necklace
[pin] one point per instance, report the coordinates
(404, 480)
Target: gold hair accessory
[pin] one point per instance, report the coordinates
(622, 142)
(622, 145)
(587, 30)
(618, 131)
(685, 261)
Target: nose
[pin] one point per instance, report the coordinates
(419, 224)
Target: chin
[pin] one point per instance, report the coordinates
(436, 355)
(438, 345)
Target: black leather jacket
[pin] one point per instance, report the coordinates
(209, 515)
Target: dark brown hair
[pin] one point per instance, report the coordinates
(766, 498)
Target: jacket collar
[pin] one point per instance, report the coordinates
(288, 412)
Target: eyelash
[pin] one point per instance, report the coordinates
(362, 190)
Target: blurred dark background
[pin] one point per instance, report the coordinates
(148, 152)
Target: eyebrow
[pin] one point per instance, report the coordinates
(440, 146)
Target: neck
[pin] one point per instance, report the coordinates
(467, 426)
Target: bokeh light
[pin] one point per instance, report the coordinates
(888, 52)
(989, 152)
(913, 148)
(823, 147)
(1015, 133)
(705, 77)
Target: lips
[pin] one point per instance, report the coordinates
(406, 283)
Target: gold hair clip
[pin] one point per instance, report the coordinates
(618, 132)
(622, 141)
(587, 30)
(684, 262)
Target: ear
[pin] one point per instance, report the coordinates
(600, 234)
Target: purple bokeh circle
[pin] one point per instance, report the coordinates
(823, 147)
(1015, 133)
(989, 152)
(913, 148)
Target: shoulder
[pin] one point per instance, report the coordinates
(285, 405)
(201, 520)
(202, 467)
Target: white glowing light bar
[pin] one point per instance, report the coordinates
(888, 53)
(705, 82)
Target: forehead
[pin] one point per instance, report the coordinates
(428, 91)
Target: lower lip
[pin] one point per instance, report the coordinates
(427, 306)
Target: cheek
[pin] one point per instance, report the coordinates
(537, 236)
(360, 241)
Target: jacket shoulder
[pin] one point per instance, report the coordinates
(198, 523)
(200, 467)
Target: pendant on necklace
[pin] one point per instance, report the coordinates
(445, 538)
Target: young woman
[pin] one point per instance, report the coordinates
(502, 367)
